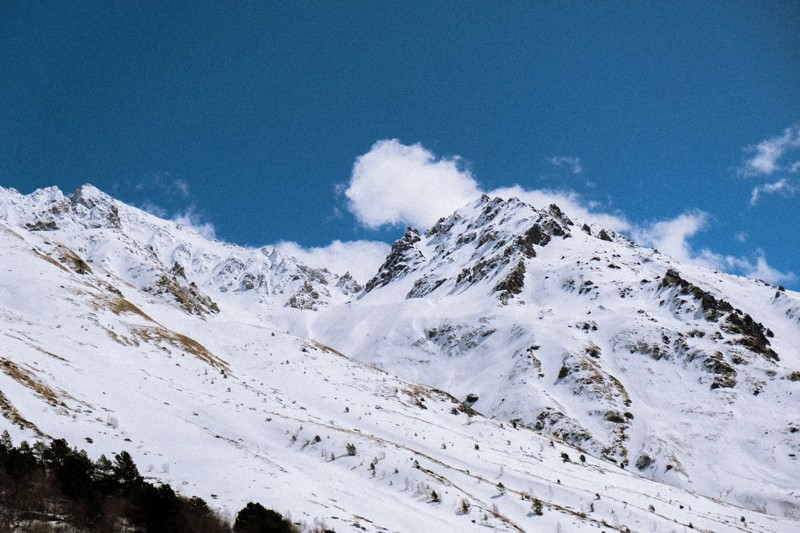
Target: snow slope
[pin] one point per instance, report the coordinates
(226, 391)
(583, 335)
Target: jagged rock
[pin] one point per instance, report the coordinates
(559, 215)
(553, 422)
(305, 298)
(73, 261)
(753, 334)
(42, 225)
(725, 374)
(644, 461)
(712, 307)
(425, 285)
(189, 297)
(513, 283)
(400, 260)
(348, 285)
(178, 270)
(534, 235)
(456, 339)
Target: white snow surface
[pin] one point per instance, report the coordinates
(242, 375)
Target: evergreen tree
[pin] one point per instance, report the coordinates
(125, 472)
(255, 518)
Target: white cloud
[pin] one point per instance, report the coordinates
(191, 219)
(163, 183)
(768, 153)
(398, 184)
(742, 236)
(783, 187)
(672, 237)
(761, 270)
(153, 209)
(573, 164)
(361, 258)
(570, 202)
(188, 217)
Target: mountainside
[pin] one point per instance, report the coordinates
(169, 260)
(577, 332)
(498, 347)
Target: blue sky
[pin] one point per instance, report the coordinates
(676, 122)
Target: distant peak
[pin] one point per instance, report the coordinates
(88, 195)
(51, 192)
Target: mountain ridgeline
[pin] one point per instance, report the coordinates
(480, 344)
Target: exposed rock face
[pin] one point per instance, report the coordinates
(491, 239)
(188, 296)
(348, 285)
(585, 377)
(513, 283)
(725, 374)
(305, 298)
(402, 258)
(753, 335)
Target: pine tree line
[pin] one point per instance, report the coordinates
(43, 485)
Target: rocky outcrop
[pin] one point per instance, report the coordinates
(752, 335)
(399, 262)
(188, 296)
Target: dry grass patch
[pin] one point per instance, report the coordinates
(73, 260)
(120, 306)
(50, 260)
(11, 413)
(181, 342)
(26, 378)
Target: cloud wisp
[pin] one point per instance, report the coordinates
(776, 155)
(767, 155)
(361, 258)
(190, 218)
(173, 191)
(572, 164)
(783, 187)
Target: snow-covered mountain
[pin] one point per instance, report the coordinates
(170, 260)
(505, 345)
(577, 332)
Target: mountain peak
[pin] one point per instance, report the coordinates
(88, 196)
(487, 241)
